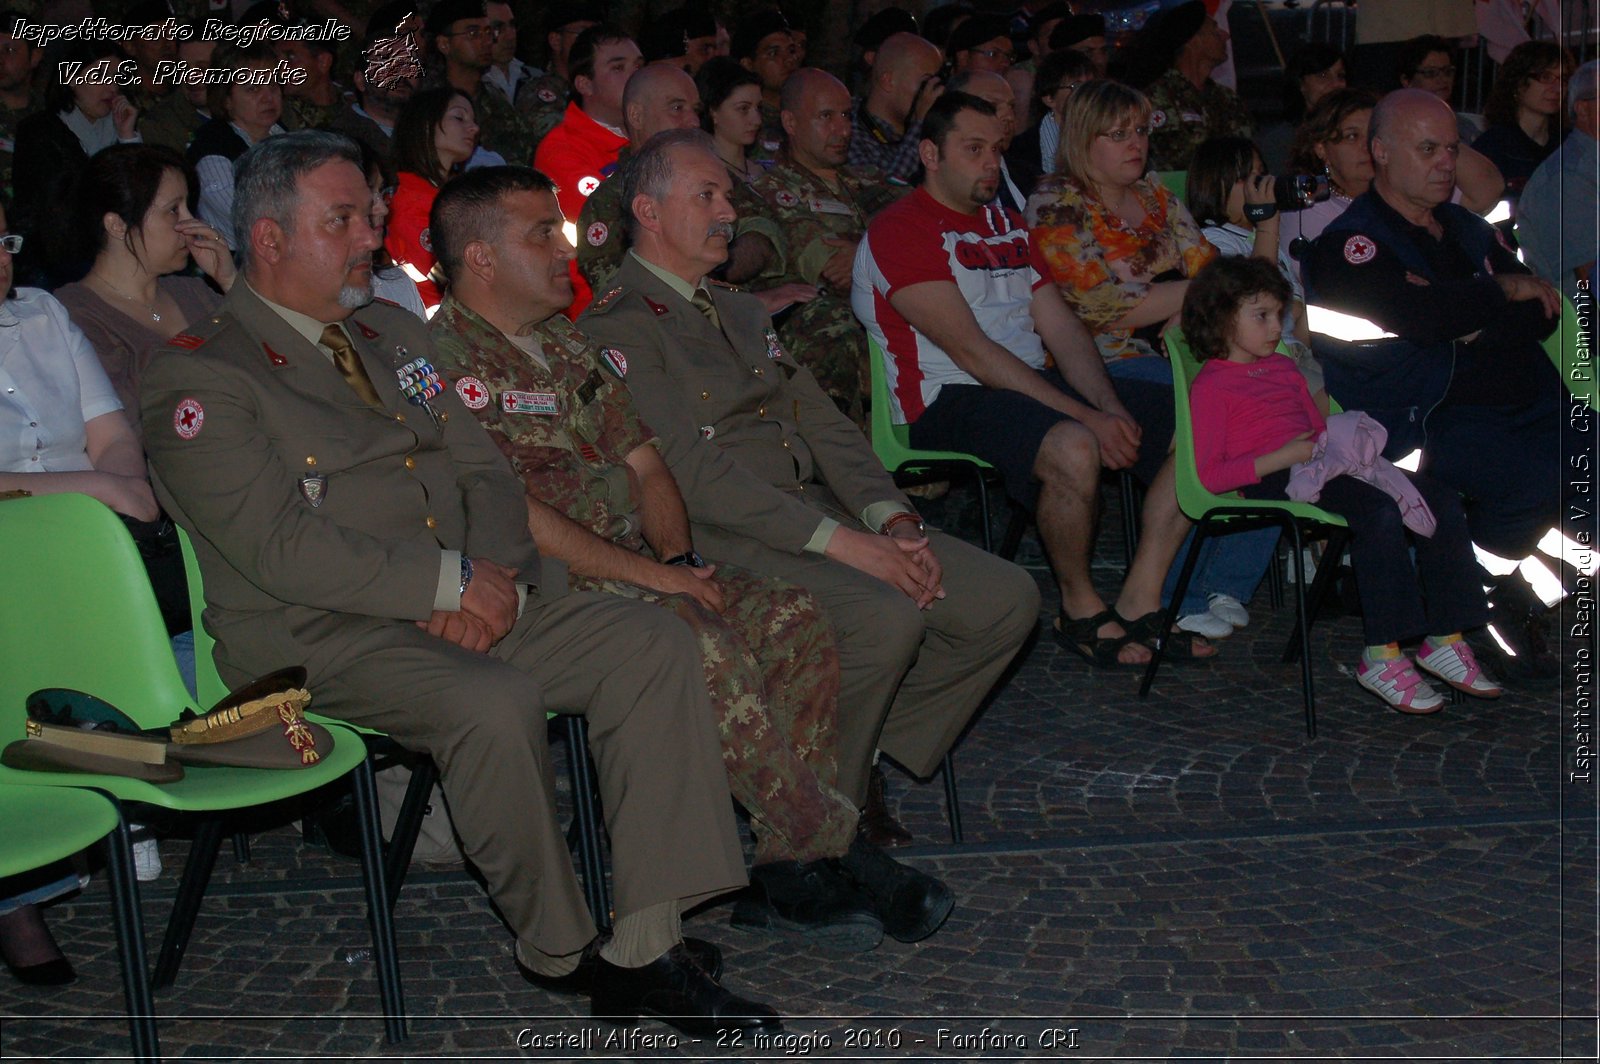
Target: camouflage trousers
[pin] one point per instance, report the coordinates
(773, 673)
(825, 337)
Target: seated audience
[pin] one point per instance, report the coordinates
(954, 290)
(1187, 107)
(1556, 217)
(730, 110)
(1041, 23)
(1317, 69)
(1258, 428)
(982, 43)
(1525, 112)
(1084, 33)
(1429, 63)
(171, 121)
(996, 92)
(18, 59)
(241, 115)
(765, 45)
(130, 216)
(464, 41)
(388, 280)
(1032, 153)
(582, 151)
(885, 126)
(434, 138)
(379, 101)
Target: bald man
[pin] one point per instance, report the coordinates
(886, 127)
(659, 96)
(1459, 371)
(821, 207)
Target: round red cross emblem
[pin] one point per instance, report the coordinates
(187, 418)
(472, 392)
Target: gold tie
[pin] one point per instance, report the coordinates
(701, 300)
(349, 364)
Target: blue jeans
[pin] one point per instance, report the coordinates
(1228, 565)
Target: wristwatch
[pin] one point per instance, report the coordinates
(466, 573)
(688, 558)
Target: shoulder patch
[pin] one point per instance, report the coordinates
(474, 396)
(188, 341)
(187, 417)
(425, 238)
(1359, 249)
(615, 361)
(604, 301)
(784, 198)
(587, 184)
(1158, 119)
(596, 234)
(546, 95)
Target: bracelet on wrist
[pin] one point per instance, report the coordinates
(901, 518)
(688, 558)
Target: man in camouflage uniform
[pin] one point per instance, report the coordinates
(543, 101)
(1187, 108)
(17, 99)
(601, 498)
(822, 208)
(765, 45)
(461, 37)
(659, 96)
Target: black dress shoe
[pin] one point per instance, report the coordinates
(581, 979)
(814, 899)
(57, 972)
(912, 904)
(877, 823)
(677, 991)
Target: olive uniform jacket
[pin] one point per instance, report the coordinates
(316, 517)
(758, 450)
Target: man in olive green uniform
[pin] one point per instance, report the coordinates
(599, 495)
(350, 515)
(657, 97)
(777, 480)
(1187, 108)
(821, 206)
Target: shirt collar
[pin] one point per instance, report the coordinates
(304, 324)
(671, 280)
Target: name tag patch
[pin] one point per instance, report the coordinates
(543, 403)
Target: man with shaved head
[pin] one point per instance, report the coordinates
(821, 207)
(886, 126)
(658, 97)
(1457, 370)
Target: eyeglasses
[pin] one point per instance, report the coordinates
(11, 243)
(1117, 136)
(476, 33)
(1349, 136)
(1434, 73)
(1549, 77)
(995, 53)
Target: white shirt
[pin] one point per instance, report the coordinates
(51, 386)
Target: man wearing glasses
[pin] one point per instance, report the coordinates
(464, 41)
(982, 43)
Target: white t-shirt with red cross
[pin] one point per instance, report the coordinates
(991, 260)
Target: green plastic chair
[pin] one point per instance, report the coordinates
(80, 614)
(1217, 514)
(383, 751)
(1574, 359)
(78, 819)
(1177, 182)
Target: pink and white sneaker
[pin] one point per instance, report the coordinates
(1399, 683)
(1456, 665)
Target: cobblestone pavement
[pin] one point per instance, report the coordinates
(1186, 876)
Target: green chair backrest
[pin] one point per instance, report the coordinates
(1193, 498)
(76, 581)
(1177, 182)
(208, 684)
(890, 441)
(78, 819)
(1574, 359)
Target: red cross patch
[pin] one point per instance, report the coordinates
(1359, 249)
(425, 238)
(596, 234)
(474, 396)
(187, 418)
(547, 95)
(785, 198)
(1158, 119)
(587, 184)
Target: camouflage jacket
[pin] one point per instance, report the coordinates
(566, 427)
(807, 212)
(600, 240)
(543, 102)
(1183, 117)
(503, 129)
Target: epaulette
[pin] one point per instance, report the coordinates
(724, 284)
(599, 305)
(196, 334)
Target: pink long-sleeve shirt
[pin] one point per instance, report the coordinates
(1242, 412)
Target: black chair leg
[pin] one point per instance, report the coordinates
(1275, 581)
(1128, 491)
(587, 817)
(191, 889)
(407, 823)
(380, 916)
(1303, 630)
(1170, 615)
(952, 800)
(983, 509)
(241, 847)
(129, 924)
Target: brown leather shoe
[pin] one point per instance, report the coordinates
(878, 825)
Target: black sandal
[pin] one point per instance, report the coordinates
(1100, 651)
(1180, 644)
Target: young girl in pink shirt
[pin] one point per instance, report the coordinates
(1254, 419)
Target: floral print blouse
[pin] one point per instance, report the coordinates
(1103, 266)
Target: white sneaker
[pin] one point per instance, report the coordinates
(146, 858)
(1456, 665)
(1229, 609)
(1399, 683)
(1207, 624)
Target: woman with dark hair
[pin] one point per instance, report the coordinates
(1032, 153)
(242, 113)
(1317, 69)
(730, 110)
(1428, 63)
(388, 280)
(77, 120)
(433, 138)
(1525, 114)
(129, 215)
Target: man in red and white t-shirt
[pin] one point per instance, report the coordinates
(948, 284)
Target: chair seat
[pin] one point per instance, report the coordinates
(78, 819)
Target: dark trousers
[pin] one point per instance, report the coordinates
(1438, 595)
